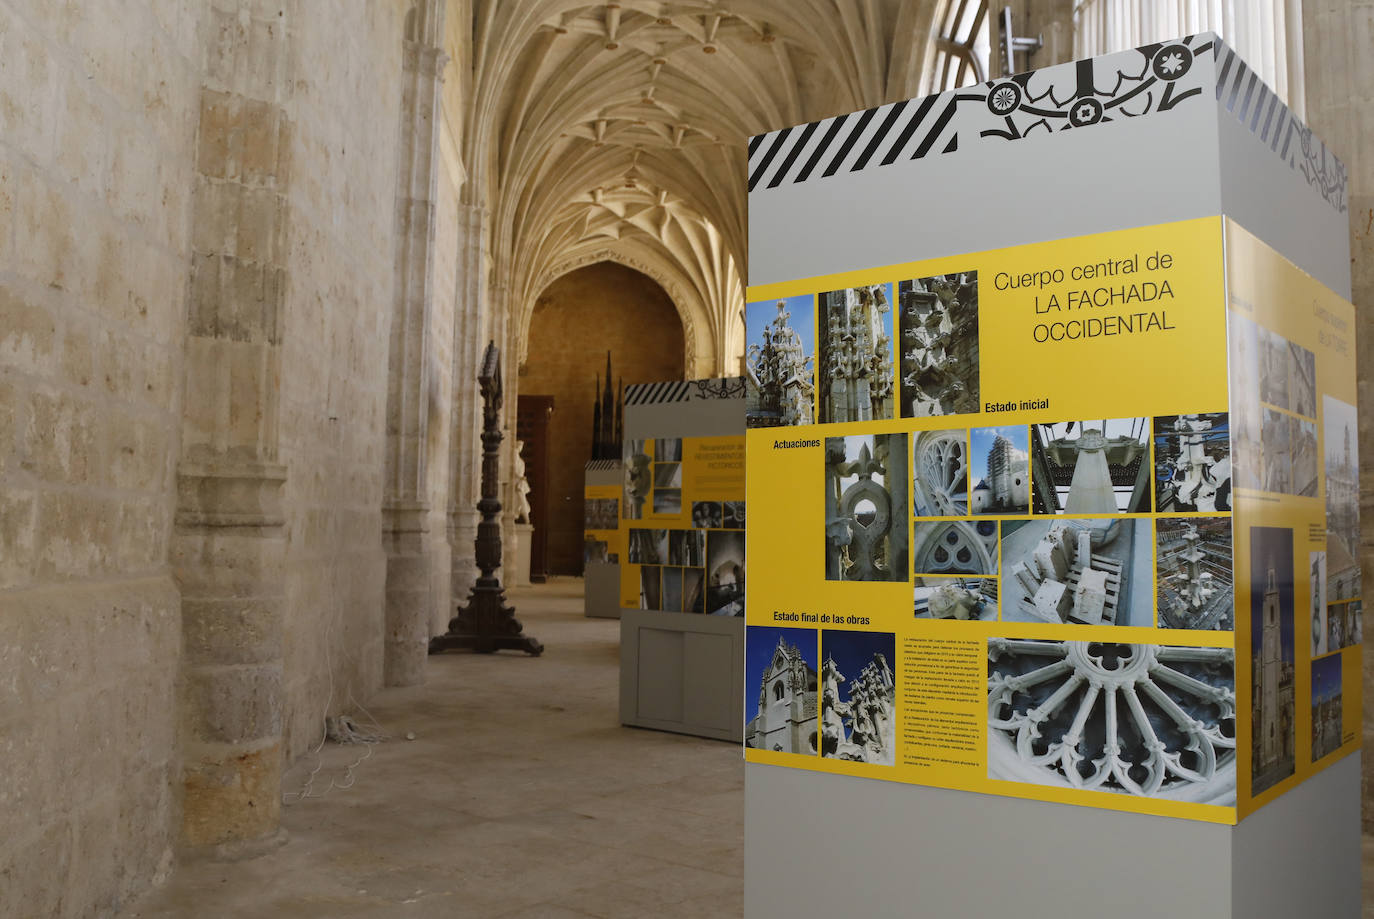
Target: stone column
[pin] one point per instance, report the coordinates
(1339, 74)
(229, 542)
(405, 512)
(465, 405)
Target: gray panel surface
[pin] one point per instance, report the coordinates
(601, 590)
(682, 672)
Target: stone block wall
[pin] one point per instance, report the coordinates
(97, 129)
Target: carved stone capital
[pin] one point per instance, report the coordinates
(230, 494)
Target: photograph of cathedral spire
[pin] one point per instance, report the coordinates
(1342, 462)
(1316, 568)
(865, 508)
(782, 664)
(973, 599)
(1089, 572)
(1100, 466)
(939, 464)
(1302, 439)
(1192, 463)
(780, 362)
(1272, 727)
(1193, 573)
(1327, 723)
(855, 354)
(938, 345)
(858, 696)
(1001, 470)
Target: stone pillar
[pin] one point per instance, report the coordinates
(229, 539)
(465, 406)
(1339, 76)
(405, 517)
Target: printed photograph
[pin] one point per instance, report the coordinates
(687, 547)
(865, 508)
(1088, 572)
(1103, 716)
(781, 665)
(725, 573)
(939, 480)
(973, 599)
(954, 547)
(601, 513)
(693, 590)
(1244, 418)
(672, 590)
(858, 696)
(594, 550)
(1276, 452)
(650, 593)
(667, 475)
(938, 345)
(1344, 625)
(667, 500)
(1193, 573)
(1091, 467)
(1321, 635)
(1273, 730)
(1001, 470)
(734, 515)
(638, 479)
(668, 450)
(648, 547)
(1327, 723)
(1288, 374)
(779, 358)
(1302, 439)
(1341, 445)
(1192, 463)
(855, 354)
(706, 515)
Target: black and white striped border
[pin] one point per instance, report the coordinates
(1242, 93)
(603, 464)
(684, 391)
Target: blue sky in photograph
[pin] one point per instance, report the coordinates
(760, 641)
(803, 321)
(1271, 546)
(854, 650)
(982, 440)
(1326, 678)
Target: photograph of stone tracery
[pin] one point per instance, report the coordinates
(1246, 428)
(1154, 721)
(1001, 470)
(1272, 726)
(781, 662)
(858, 696)
(939, 465)
(638, 478)
(725, 573)
(938, 345)
(1302, 439)
(1275, 452)
(865, 508)
(971, 599)
(1098, 466)
(687, 547)
(1288, 374)
(954, 547)
(1192, 462)
(1088, 572)
(1193, 573)
(734, 515)
(1327, 724)
(648, 547)
(854, 354)
(780, 356)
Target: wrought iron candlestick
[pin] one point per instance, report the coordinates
(486, 623)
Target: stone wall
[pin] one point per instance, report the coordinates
(98, 111)
(576, 320)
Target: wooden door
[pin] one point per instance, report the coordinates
(532, 414)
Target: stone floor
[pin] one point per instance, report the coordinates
(520, 796)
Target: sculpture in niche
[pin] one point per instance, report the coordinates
(938, 341)
(865, 508)
(786, 719)
(1194, 579)
(940, 477)
(1148, 720)
(781, 371)
(485, 623)
(863, 727)
(956, 598)
(856, 355)
(522, 485)
(1192, 463)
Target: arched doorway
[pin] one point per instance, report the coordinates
(576, 320)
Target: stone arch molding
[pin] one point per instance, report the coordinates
(696, 336)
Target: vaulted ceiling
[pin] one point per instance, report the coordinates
(618, 131)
